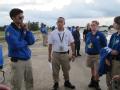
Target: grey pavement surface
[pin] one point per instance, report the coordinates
(79, 73)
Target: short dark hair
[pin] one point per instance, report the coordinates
(77, 27)
(95, 21)
(117, 20)
(14, 12)
(61, 18)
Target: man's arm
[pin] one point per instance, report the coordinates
(4, 87)
(73, 50)
(115, 52)
(30, 38)
(116, 77)
(49, 52)
(84, 35)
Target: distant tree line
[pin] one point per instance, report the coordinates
(2, 28)
(34, 26)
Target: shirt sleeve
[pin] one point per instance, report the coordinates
(30, 38)
(71, 39)
(50, 40)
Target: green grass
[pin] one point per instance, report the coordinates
(2, 36)
(2, 33)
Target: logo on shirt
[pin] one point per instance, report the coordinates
(98, 37)
(117, 41)
(90, 45)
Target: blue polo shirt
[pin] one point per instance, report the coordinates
(94, 43)
(1, 57)
(18, 42)
(115, 44)
(44, 30)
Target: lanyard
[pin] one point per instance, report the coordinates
(61, 39)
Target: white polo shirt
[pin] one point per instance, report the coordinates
(60, 39)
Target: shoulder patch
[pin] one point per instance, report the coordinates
(117, 41)
(98, 37)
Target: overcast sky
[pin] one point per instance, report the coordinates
(76, 12)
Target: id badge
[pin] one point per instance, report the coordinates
(90, 45)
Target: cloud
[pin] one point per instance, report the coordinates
(46, 5)
(49, 10)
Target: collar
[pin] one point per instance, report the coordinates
(60, 31)
(14, 26)
(95, 33)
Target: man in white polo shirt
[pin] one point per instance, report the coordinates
(59, 41)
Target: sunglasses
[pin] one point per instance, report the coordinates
(93, 25)
(22, 17)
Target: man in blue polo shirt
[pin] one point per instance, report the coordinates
(95, 40)
(44, 32)
(19, 38)
(114, 44)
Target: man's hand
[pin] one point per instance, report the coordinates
(114, 52)
(73, 58)
(24, 26)
(3, 87)
(73, 51)
(107, 62)
(49, 58)
(83, 40)
(49, 52)
(116, 77)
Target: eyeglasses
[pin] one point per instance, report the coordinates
(21, 17)
(93, 25)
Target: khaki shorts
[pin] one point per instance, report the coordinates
(115, 67)
(115, 71)
(92, 61)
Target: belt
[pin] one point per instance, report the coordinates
(93, 53)
(14, 59)
(61, 52)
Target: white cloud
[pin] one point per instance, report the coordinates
(48, 10)
(46, 5)
(118, 1)
(90, 1)
(11, 1)
(55, 4)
